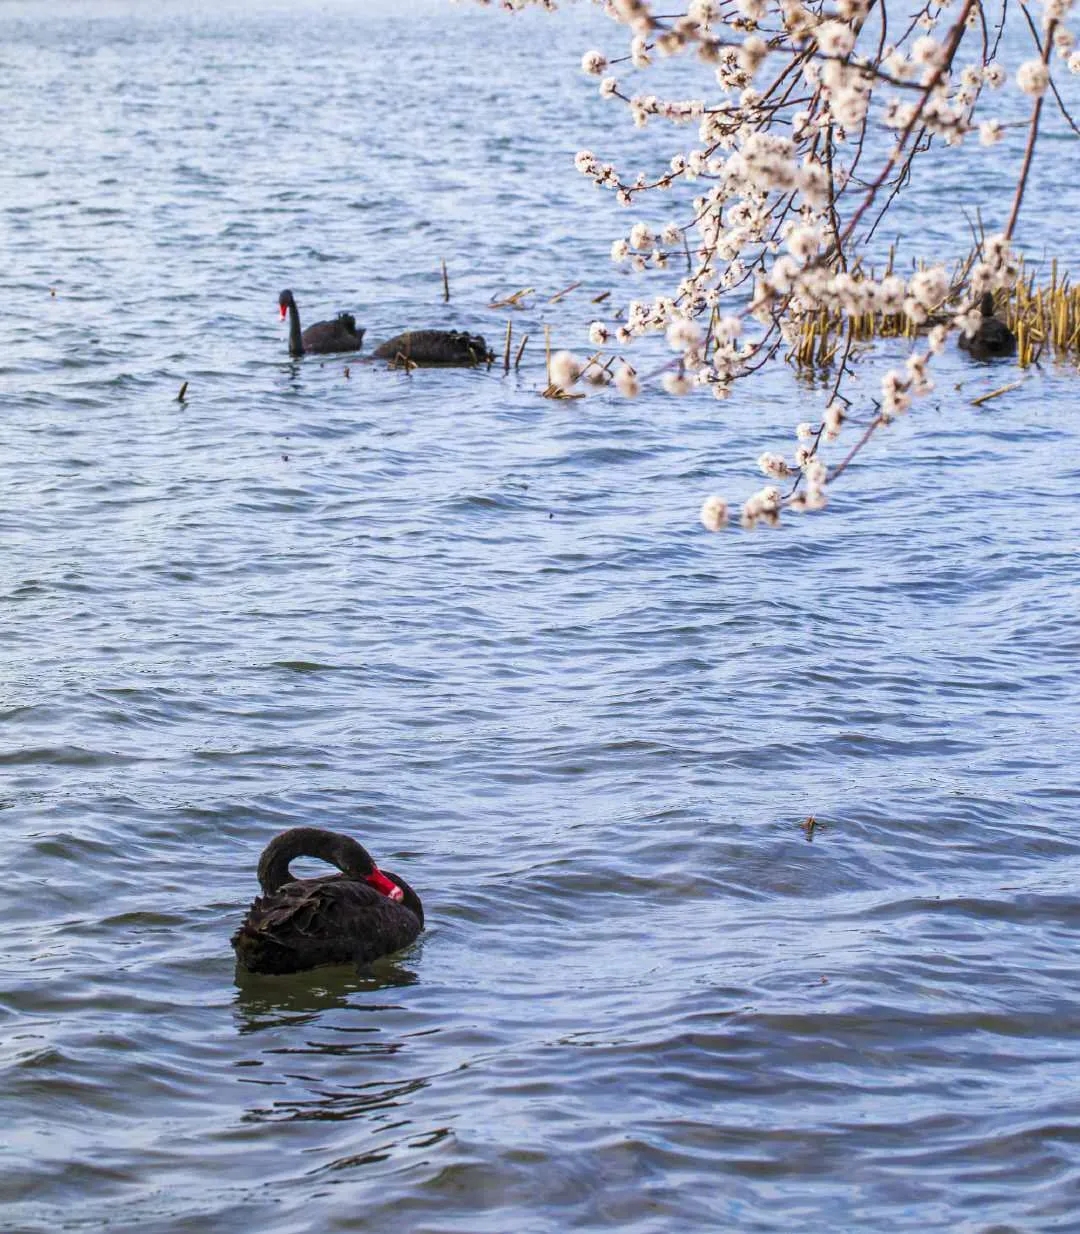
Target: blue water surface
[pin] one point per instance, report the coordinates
(483, 632)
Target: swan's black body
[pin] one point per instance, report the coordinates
(302, 923)
(323, 337)
(432, 347)
(992, 338)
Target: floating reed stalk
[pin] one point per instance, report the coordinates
(520, 352)
(516, 300)
(445, 283)
(985, 398)
(506, 349)
(565, 292)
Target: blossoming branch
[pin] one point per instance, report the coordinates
(811, 120)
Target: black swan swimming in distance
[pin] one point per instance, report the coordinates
(415, 347)
(349, 918)
(432, 347)
(323, 337)
(992, 338)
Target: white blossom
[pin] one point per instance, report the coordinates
(727, 328)
(683, 333)
(639, 52)
(714, 513)
(762, 507)
(1033, 77)
(803, 243)
(640, 236)
(676, 383)
(774, 465)
(930, 287)
(990, 132)
(927, 51)
(565, 369)
(753, 10)
(835, 38)
(626, 382)
(1064, 41)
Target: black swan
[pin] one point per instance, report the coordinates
(323, 337)
(992, 338)
(300, 923)
(432, 347)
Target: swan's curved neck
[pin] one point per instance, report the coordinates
(341, 851)
(296, 341)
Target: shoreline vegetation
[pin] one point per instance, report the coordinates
(1044, 316)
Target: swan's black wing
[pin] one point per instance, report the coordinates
(340, 334)
(311, 922)
(435, 347)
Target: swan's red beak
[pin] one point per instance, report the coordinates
(284, 310)
(386, 886)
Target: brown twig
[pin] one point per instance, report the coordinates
(1029, 150)
(955, 35)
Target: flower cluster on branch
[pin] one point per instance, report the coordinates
(814, 116)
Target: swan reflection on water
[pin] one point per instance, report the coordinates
(271, 1002)
(347, 1058)
(359, 1101)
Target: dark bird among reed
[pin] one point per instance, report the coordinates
(992, 338)
(349, 918)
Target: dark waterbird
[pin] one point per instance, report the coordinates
(434, 347)
(992, 338)
(415, 347)
(349, 918)
(323, 337)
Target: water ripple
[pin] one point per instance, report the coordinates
(482, 631)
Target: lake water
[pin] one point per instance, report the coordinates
(483, 632)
